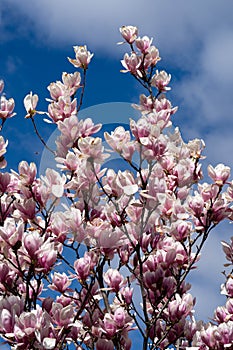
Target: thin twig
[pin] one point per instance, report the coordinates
(41, 138)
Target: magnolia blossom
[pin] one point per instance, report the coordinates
(129, 33)
(63, 108)
(114, 279)
(82, 267)
(219, 174)
(27, 172)
(143, 44)
(54, 182)
(132, 64)
(6, 107)
(161, 80)
(70, 83)
(56, 90)
(30, 102)
(82, 57)
(152, 56)
(92, 149)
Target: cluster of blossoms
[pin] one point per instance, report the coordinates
(115, 260)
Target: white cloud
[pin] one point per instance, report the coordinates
(217, 57)
(177, 26)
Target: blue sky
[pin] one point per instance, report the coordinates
(195, 39)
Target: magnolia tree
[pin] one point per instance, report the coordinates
(109, 267)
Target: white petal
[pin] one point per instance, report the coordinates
(49, 343)
(130, 189)
(57, 190)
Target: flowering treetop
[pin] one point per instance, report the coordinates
(113, 262)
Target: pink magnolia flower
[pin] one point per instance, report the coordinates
(7, 183)
(63, 108)
(30, 102)
(224, 334)
(219, 174)
(40, 192)
(146, 104)
(25, 209)
(71, 130)
(196, 147)
(82, 57)
(56, 90)
(208, 192)
(71, 162)
(74, 220)
(92, 149)
(197, 205)
(129, 33)
(71, 81)
(88, 128)
(140, 129)
(118, 138)
(181, 306)
(6, 108)
(208, 335)
(109, 241)
(120, 317)
(83, 267)
(161, 80)
(58, 226)
(114, 279)
(220, 210)
(32, 242)
(181, 229)
(11, 233)
(60, 282)
(134, 211)
(62, 315)
(221, 314)
(143, 44)
(229, 288)
(229, 306)
(27, 173)
(47, 255)
(6, 321)
(10, 307)
(54, 182)
(126, 181)
(110, 184)
(69, 85)
(132, 64)
(7, 277)
(109, 325)
(152, 57)
(6, 207)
